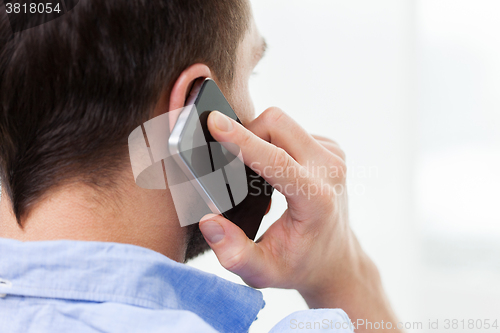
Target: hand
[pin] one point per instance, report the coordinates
(308, 246)
(311, 247)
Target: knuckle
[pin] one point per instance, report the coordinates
(244, 139)
(272, 115)
(330, 140)
(338, 165)
(331, 160)
(280, 158)
(332, 146)
(324, 138)
(234, 262)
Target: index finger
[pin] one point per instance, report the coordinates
(273, 163)
(275, 126)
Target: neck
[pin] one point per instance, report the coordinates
(130, 215)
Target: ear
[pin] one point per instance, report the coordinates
(184, 82)
(174, 101)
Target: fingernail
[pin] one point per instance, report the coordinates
(222, 122)
(213, 231)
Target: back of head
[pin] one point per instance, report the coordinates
(72, 89)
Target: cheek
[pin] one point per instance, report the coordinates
(242, 103)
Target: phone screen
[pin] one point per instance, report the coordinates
(205, 156)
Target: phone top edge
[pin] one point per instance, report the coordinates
(196, 90)
(176, 135)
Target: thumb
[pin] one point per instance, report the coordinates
(235, 251)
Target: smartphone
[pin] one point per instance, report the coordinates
(225, 183)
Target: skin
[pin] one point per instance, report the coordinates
(311, 248)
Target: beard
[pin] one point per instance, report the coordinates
(196, 242)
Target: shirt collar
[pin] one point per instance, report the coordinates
(123, 273)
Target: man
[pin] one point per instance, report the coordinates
(84, 249)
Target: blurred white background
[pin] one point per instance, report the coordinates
(410, 89)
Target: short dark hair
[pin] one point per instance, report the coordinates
(72, 89)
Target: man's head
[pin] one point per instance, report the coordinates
(73, 89)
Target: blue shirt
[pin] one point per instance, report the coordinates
(75, 286)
